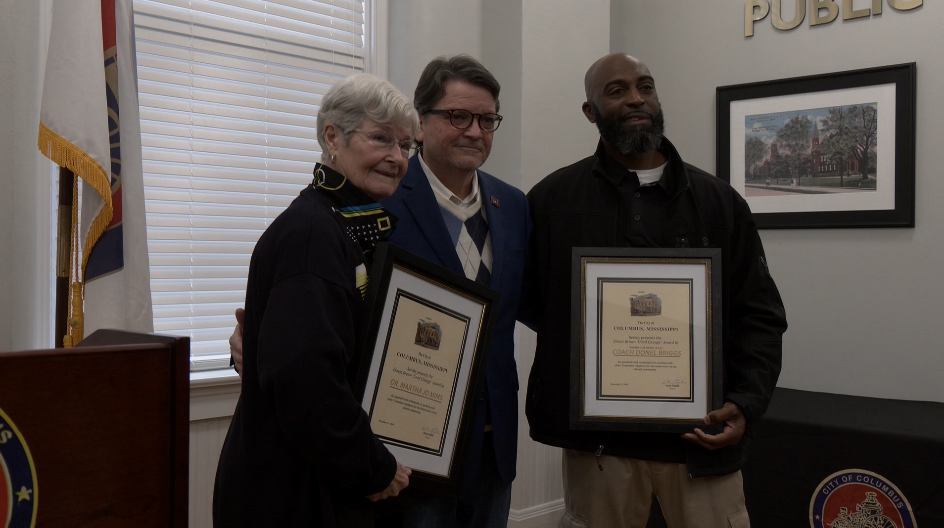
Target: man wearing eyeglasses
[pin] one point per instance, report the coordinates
(470, 222)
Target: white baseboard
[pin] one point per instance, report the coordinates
(540, 516)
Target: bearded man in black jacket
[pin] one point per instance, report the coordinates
(635, 191)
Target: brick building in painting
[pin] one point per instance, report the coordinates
(821, 165)
(645, 304)
(428, 335)
(768, 168)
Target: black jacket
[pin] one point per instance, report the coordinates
(580, 206)
(300, 451)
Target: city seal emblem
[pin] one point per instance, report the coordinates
(17, 478)
(855, 498)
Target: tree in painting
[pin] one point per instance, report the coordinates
(864, 124)
(754, 151)
(794, 137)
(840, 139)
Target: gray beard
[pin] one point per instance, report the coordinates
(639, 140)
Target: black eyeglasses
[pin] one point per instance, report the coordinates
(462, 119)
(385, 141)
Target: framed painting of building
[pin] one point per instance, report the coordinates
(832, 150)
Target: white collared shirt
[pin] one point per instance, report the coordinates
(461, 208)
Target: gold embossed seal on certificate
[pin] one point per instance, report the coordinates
(646, 338)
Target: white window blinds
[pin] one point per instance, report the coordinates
(229, 93)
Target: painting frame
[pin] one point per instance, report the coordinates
(791, 205)
(419, 381)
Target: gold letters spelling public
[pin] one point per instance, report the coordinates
(821, 12)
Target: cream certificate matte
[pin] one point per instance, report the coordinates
(645, 340)
(415, 393)
(645, 344)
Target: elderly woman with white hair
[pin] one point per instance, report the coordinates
(300, 451)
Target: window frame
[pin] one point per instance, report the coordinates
(375, 61)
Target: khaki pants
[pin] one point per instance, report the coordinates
(621, 494)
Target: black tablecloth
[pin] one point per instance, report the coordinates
(807, 436)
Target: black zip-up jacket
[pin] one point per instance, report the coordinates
(300, 451)
(597, 203)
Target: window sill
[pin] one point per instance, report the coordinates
(213, 394)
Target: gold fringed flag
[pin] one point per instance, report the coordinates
(89, 123)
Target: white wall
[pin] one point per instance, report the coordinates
(25, 274)
(502, 21)
(562, 39)
(421, 30)
(863, 304)
(7, 32)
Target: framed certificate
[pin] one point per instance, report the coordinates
(646, 339)
(424, 356)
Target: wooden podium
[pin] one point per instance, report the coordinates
(106, 425)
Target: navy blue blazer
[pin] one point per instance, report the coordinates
(421, 230)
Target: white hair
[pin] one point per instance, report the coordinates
(363, 96)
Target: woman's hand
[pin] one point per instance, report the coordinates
(400, 481)
(236, 341)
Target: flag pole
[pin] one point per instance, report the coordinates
(63, 253)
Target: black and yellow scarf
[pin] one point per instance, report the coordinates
(364, 220)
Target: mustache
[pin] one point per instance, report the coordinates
(638, 113)
(474, 144)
